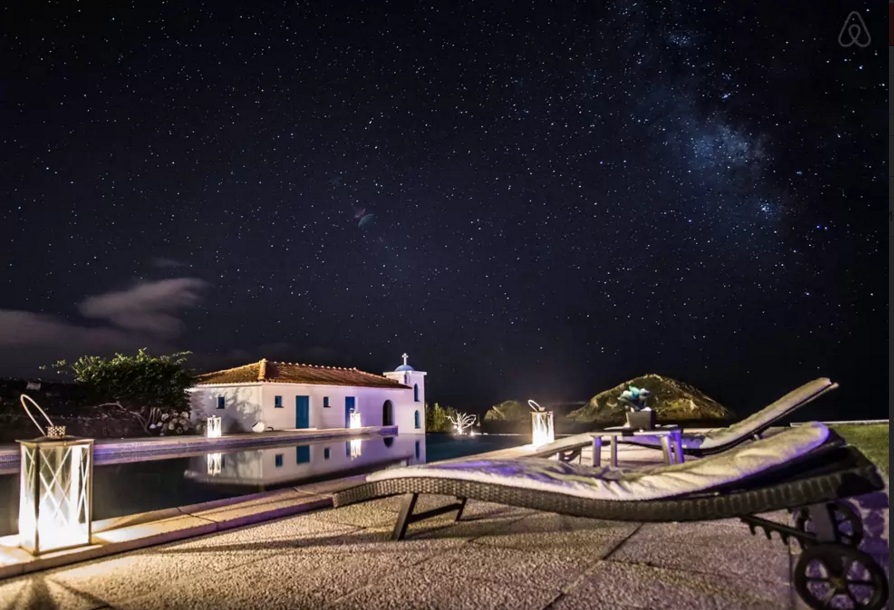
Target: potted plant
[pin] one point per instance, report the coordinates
(639, 415)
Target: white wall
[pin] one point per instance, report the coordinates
(249, 403)
(242, 408)
(408, 405)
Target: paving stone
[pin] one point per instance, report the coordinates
(327, 488)
(36, 592)
(418, 588)
(506, 566)
(587, 539)
(288, 581)
(377, 542)
(713, 547)
(641, 586)
(297, 530)
(161, 530)
(358, 515)
(238, 515)
(127, 576)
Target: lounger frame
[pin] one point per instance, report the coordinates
(826, 475)
(754, 434)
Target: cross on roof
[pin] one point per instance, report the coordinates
(404, 356)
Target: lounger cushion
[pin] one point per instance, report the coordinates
(614, 484)
(749, 425)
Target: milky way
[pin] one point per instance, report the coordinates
(532, 202)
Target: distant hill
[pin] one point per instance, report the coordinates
(519, 411)
(508, 410)
(672, 401)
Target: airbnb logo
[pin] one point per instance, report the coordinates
(854, 32)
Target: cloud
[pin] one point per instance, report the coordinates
(145, 315)
(25, 329)
(148, 306)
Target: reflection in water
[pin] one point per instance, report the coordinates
(271, 466)
(356, 450)
(125, 485)
(214, 463)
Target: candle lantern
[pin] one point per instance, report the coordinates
(543, 432)
(355, 420)
(56, 489)
(213, 427)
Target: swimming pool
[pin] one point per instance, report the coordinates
(142, 483)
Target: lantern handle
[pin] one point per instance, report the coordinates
(533, 404)
(28, 411)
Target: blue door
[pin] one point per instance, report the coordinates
(349, 406)
(302, 412)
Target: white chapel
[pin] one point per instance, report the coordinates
(285, 396)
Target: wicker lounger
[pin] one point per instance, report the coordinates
(752, 427)
(806, 469)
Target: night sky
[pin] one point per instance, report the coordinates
(533, 202)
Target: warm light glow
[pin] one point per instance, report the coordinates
(462, 422)
(55, 494)
(213, 427)
(355, 449)
(355, 420)
(215, 463)
(542, 422)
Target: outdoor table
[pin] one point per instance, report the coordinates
(671, 442)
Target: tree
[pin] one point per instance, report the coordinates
(151, 388)
(437, 418)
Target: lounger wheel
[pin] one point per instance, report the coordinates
(833, 575)
(848, 524)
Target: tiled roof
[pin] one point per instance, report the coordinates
(288, 372)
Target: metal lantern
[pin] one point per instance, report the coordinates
(56, 489)
(355, 420)
(542, 425)
(213, 427)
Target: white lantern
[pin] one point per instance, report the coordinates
(56, 489)
(213, 427)
(214, 463)
(355, 420)
(542, 422)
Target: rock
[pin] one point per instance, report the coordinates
(509, 410)
(672, 401)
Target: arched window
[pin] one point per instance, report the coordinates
(416, 420)
(416, 392)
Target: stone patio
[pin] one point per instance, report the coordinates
(497, 557)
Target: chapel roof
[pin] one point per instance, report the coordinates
(269, 371)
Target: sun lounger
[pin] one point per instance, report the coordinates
(807, 469)
(751, 427)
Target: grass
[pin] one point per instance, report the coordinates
(871, 439)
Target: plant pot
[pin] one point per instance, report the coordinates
(641, 420)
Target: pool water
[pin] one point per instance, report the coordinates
(447, 447)
(135, 484)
